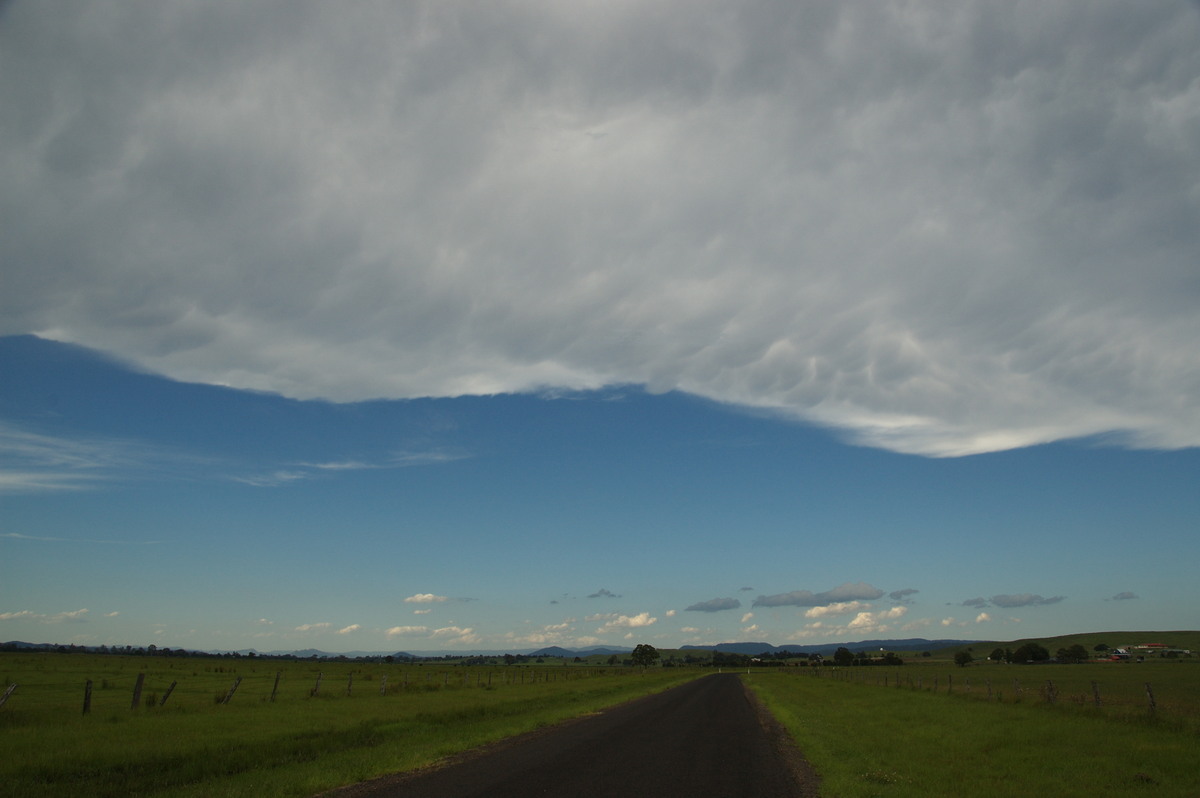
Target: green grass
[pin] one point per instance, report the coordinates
(296, 745)
(865, 739)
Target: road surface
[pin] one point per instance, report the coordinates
(708, 737)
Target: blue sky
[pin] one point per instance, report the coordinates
(199, 516)
(440, 325)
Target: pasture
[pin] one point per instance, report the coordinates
(993, 729)
(203, 741)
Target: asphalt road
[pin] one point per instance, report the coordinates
(708, 737)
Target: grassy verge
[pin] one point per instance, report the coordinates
(297, 745)
(868, 740)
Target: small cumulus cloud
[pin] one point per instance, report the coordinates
(425, 598)
(422, 612)
(714, 605)
(670, 613)
(314, 627)
(455, 634)
(747, 616)
(19, 615)
(1125, 596)
(345, 630)
(903, 595)
(982, 617)
(638, 621)
(976, 602)
(839, 608)
(112, 614)
(849, 591)
(603, 593)
(401, 631)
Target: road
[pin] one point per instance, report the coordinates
(708, 737)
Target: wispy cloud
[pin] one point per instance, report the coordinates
(74, 616)
(850, 591)
(603, 593)
(314, 627)
(1013, 600)
(714, 605)
(48, 539)
(1125, 596)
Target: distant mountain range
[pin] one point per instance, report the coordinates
(908, 644)
(750, 649)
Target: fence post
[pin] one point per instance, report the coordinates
(1096, 692)
(383, 685)
(232, 690)
(316, 687)
(87, 697)
(1050, 693)
(7, 693)
(275, 686)
(167, 694)
(137, 691)
(350, 683)
(1150, 698)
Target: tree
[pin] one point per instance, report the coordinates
(1030, 652)
(1075, 653)
(997, 655)
(644, 655)
(963, 658)
(1101, 647)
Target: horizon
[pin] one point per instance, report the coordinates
(441, 325)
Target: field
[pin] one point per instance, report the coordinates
(994, 729)
(300, 744)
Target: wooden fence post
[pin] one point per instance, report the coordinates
(350, 683)
(1150, 698)
(232, 690)
(1096, 692)
(1051, 695)
(275, 686)
(316, 687)
(383, 685)
(137, 690)
(7, 693)
(87, 697)
(167, 694)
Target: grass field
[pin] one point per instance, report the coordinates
(297, 745)
(929, 732)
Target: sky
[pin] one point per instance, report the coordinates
(457, 326)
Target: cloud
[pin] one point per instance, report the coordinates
(976, 602)
(747, 616)
(714, 605)
(314, 627)
(627, 622)
(402, 631)
(670, 613)
(455, 634)
(1024, 600)
(602, 593)
(345, 630)
(902, 595)
(850, 591)
(745, 590)
(838, 608)
(982, 617)
(922, 238)
(18, 616)
(425, 598)
(1125, 596)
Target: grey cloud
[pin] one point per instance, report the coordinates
(915, 223)
(856, 591)
(1125, 596)
(902, 595)
(1024, 600)
(714, 605)
(976, 602)
(603, 593)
